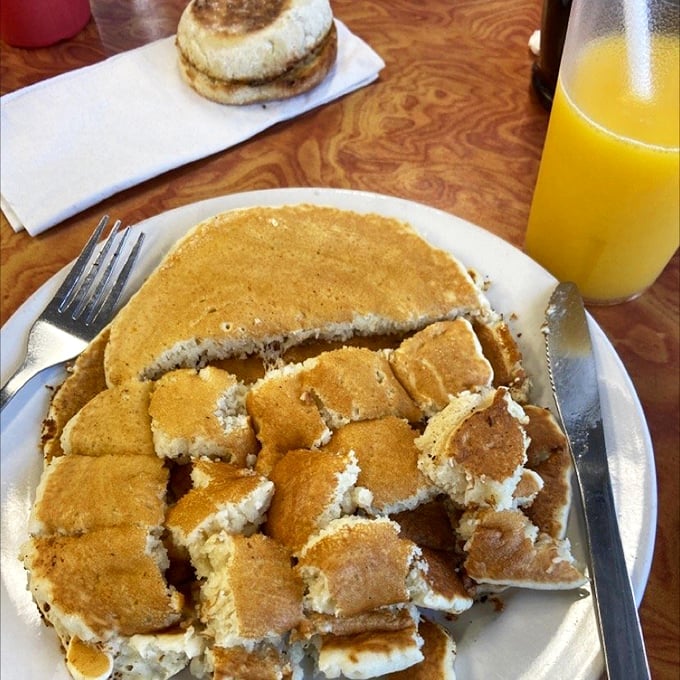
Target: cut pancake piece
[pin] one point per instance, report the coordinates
(285, 415)
(429, 525)
(115, 421)
(475, 449)
(201, 413)
(265, 662)
(442, 360)
(235, 502)
(504, 548)
(370, 275)
(65, 579)
(549, 457)
(355, 383)
(369, 654)
(85, 379)
(388, 460)
(311, 489)
(381, 619)
(159, 656)
(529, 486)
(502, 351)
(437, 584)
(250, 594)
(439, 651)
(355, 565)
(83, 493)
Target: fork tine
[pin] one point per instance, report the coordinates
(67, 288)
(108, 304)
(96, 297)
(82, 294)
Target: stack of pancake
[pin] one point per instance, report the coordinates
(306, 434)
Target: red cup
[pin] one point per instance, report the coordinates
(38, 23)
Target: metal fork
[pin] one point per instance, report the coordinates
(80, 309)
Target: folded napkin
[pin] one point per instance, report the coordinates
(71, 141)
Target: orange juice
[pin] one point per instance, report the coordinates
(605, 212)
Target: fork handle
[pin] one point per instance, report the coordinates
(28, 369)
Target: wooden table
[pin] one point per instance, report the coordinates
(452, 122)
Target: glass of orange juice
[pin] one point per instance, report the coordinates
(605, 212)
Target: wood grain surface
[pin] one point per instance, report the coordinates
(451, 122)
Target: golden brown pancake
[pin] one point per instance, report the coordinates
(475, 448)
(428, 525)
(388, 460)
(311, 489)
(355, 565)
(439, 650)
(251, 593)
(501, 349)
(236, 663)
(86, 379)
(354, 383)
(441, 588)
(442, 360)
(201, 413)
(83, 493)
(294, 273)
(549, 457)
(505, 548)
(235, 504)
(114, 422)
(370, 654)
(285, 416)
(65, 578)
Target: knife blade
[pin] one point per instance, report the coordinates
(573, 377)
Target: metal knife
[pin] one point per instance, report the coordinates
(573, 376)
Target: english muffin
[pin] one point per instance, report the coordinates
(245, 51)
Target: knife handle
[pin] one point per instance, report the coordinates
(622, 642)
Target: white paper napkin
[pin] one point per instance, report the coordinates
(71, 141)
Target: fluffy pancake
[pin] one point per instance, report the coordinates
(261, 265)
(504, 548)
(475, 448)
(501, 349)
(65, 580)
(201, 413)
(548, 456)
(311, 489)
(438, 585)
(381, 619)
(369, 654)
(115, 421)
(83, 493)
(285, 415)
(355, 565)
(439, 651)
(234, 503)
(251, 594)
(388, 459)
(429, 525)
(354, 383)
(442, 360)
(86, 379)
(236, 663)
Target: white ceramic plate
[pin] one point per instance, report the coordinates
(537, 634)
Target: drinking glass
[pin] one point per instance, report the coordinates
(39, 23)
(605, 212)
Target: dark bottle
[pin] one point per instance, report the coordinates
(553, 30)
